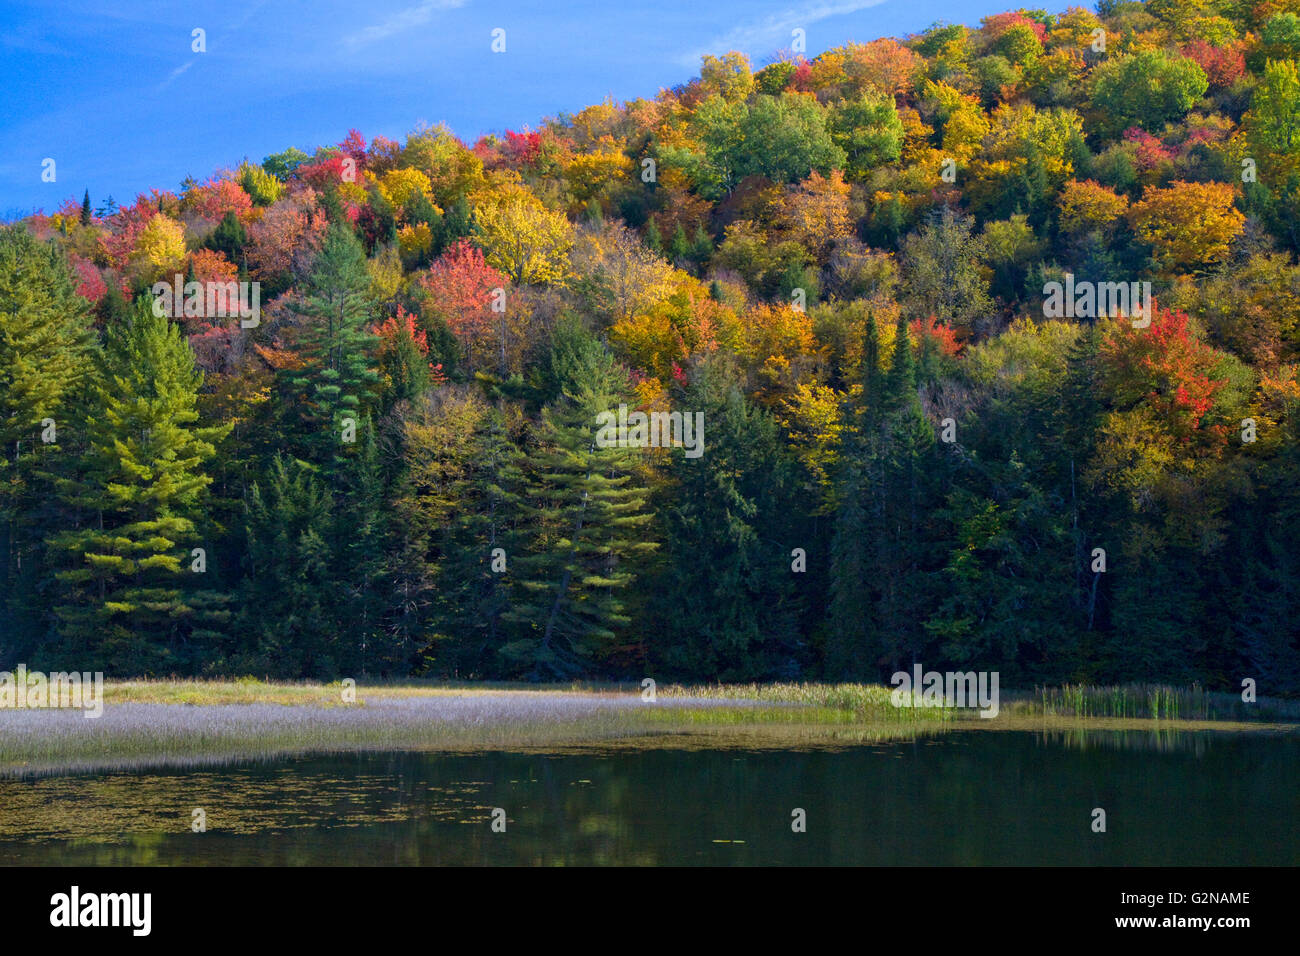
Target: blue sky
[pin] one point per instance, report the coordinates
(113, 93)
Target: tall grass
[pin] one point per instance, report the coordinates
(865, 702)
(1157, 702)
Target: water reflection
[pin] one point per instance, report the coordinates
(1172, 798)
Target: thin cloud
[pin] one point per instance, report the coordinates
(238, 24)
(774, 31)
(402, 20)
(175, 73)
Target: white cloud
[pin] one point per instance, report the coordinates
(175, 73)
(402, 20)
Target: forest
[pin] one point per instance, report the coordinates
(369, 445)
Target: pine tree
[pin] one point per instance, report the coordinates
(909, 436)
(589, 521)
(729, 517)
(877, 553)
(851, 634)
(702, 247)
(85, 209)
(131, 598)
(229, 239)
(1071, 440)
(46, 359)
(457, 223)
(680, 246)
(332, 386)
(360, 567)
(288, 599)
(654, 242)
(900, 381)
(113, 309)
(457, 501)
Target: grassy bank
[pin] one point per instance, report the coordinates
(1127, 701)
(180, 722)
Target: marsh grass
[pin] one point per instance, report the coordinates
(821, 703)
(188, 722)
(139, 734)
(149, 723)
(1152, 702)
(252, 690)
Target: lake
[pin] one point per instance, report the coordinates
(968, 797)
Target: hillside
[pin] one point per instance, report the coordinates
(988, 338)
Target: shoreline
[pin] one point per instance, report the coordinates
(157, 725)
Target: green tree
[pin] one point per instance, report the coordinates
(781, 137)
(869, 132)
(1272, 130)
(1146, 89)
(289, 603)
(457, 501)
(942, 269)
(131, 598)
(330, 389)
(729, 533)
(589, 522)
(47, 351)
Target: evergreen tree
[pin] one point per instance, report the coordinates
(729, 517)
(654, 242)
(457, 222)
(360, 566)
(289, 605)
(878, 552)
(457, 502)
(328, 391)
(131, 597)
(229, 239)
(680, 246)
(588, 527)
(851, 634)
(46, 359)
(702, 247)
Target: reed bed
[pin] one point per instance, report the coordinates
(862, 702)
(1154, 702)
(134, 733)
(185, 722)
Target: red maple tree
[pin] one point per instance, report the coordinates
(460, 287)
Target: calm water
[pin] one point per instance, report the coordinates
(965, 798)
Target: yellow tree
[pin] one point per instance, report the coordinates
(958, 116)
(728, 75)
(1087, 206)
(812, 418)
(589, 174)
(815, 213)
(400, 186)
(777, 345)
(160, 249)
(521, 237)
(659, 339)
(629, 275)
(453, 170)
(1187, 225)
